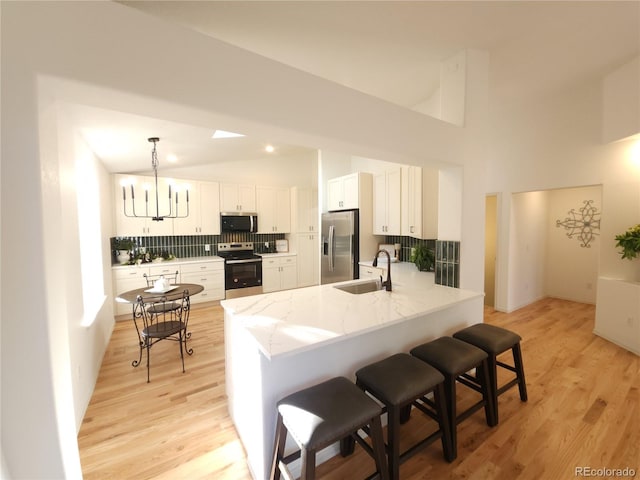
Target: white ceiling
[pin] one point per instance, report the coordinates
(393, 49)
(120, 140)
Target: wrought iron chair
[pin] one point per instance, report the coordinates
(163, 324)
(151, 280)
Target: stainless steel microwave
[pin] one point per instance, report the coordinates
(239, 222)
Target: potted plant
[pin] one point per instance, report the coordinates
(629, 242)
(122, 248)
(423, 257)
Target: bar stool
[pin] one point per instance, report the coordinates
(320, 415)
(399, 382)
(454, 358)
(495, 340)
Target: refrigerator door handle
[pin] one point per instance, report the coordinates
(331, 249)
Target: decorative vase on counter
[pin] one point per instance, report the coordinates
(122, 256)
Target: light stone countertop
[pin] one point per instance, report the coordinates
(176, 261)
(291, 321)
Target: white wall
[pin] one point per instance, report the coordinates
(453, 85)
(527, 248)
(90, 324)
(288, 171)
(556, 143)
(450, 203)
(571, 270)
(370, 165)
(621, 102)
(431, 105)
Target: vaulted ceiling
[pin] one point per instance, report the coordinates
(393, 50)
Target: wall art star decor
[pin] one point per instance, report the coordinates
(584, 224)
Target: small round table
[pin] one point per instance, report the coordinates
(148, 297)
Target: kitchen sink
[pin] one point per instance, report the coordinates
(361, 287)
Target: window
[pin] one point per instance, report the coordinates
(90, 236)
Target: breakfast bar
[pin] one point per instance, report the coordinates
(278, 343)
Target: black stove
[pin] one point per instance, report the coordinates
(237, 251)
(242, 267)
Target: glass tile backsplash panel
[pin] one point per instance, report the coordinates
(447, 263)
(184, 246)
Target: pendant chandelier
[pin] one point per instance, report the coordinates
(158, 217)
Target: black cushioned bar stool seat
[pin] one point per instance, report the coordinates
(454, 358)
(323, 414)
(496, 340)
(399, 382)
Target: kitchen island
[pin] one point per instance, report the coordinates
(280, 342)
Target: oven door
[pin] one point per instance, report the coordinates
(242, 273)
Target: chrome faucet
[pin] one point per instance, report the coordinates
(387, 283)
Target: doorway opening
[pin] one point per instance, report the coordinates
(490, 249)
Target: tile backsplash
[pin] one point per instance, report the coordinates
(183, 246)
(407, 243)
(447, 253)
(447, 257)
(448, 263)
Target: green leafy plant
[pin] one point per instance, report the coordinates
(423, 257)
(629, 242)
(118, 243)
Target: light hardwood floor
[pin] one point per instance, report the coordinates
(583, 409)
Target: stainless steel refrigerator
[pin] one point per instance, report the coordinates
(340, 253)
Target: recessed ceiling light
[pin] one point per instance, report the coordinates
(171, 158)
(225, 134)
(269, 148)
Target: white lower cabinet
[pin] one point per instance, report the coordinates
(208, 274)
(279, 273)
(125, 279)
(168, 269)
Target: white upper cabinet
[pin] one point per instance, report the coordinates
(204, 209)
(412, 201)
(386, 203)
(144, 203)
(420, 202)
(209, 208)
(304, 210)
(237, 197)
(344, 192)
(274, 209)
